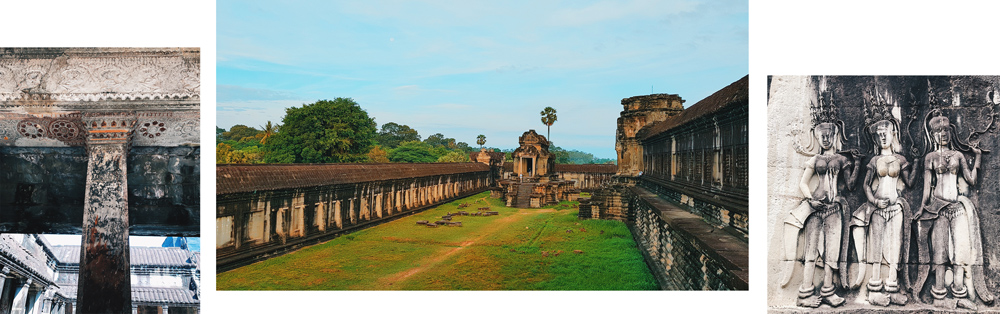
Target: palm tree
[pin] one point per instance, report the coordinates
(269, 130)
(481, 139)
(548, 118)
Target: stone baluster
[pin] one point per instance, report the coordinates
(104, 282)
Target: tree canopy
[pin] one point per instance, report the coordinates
(412, 151)
(548, 118)
(393, 134)
(327, 131)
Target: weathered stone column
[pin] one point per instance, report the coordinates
(104, 284)
(3, 277)
(47, 301)
(21, 299)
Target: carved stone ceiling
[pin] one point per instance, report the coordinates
(45, 93)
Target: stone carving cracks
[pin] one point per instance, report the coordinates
(87, 74)
(924, 182)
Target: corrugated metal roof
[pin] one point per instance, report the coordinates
(735, 94)
(138, 256)
(148, 295)
(249, 178)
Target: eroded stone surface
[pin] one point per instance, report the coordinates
(916, 187)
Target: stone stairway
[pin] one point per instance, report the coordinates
(524, 195)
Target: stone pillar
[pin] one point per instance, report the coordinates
(135, 309)
(166, 309)
(48, 301)
(104, 282)
(21, 299)
(3, 278)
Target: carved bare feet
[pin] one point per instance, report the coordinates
(878, 298)
(833, 300)
(810, 301)
(898, 298)
(945, 303)
(966, 304)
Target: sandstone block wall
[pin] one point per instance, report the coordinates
(270, 209)
(683, 251)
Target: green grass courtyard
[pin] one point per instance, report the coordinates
(520, 249)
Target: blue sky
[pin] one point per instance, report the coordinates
(462, 68)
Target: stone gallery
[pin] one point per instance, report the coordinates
(103, 143)
(880, 193)
(681, 187)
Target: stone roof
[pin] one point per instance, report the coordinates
(150, 295)
(589, 168)
(737, 93)
(250, 178)
(11, 250)
(138, 256)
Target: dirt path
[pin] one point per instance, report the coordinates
(391, 282)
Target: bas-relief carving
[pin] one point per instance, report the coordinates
(82, 75)
(820, 215)
(43, 93)
(872, 239)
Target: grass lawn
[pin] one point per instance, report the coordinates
(521, 249)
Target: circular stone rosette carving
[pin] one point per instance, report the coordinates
(152, 129)
(31, 129)
(64, 130)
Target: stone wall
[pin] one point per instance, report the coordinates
(265, 210)
(42, 190)
(588, 177)
(683, 251)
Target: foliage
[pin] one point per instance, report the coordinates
(438, 139)
(225, 154)
(481, 140)
(487, 253)
(412, 151)
(393, 134)
(455, 157)
(377, 154)
(268, 131)
(218, 133)
(239, 132)
(548, 118)
(326, 131)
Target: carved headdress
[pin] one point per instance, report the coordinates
(824, 115)
(878, 114)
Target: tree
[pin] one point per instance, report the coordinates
(218, 133)
(412, 151)
(377, 154)
(481, 140)
(268, 131)
(454, 157)
(548, 118)
(326, 131)
(239, 132)
(393, 134)
(435, 140)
